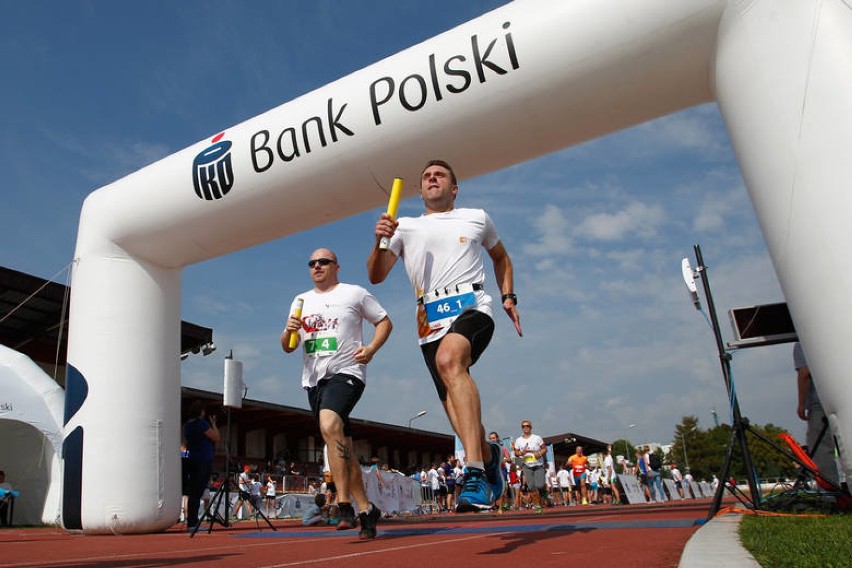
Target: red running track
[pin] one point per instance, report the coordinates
(652, 535)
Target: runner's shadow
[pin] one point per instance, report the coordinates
(514, 541)
(147, 562)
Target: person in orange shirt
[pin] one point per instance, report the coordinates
(578, 464)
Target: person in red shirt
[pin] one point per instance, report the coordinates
(578, 464)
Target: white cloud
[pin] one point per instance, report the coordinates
(635, 219)
(554, 232)
(692, 130)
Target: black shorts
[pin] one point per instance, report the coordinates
(474, 325)
(338, 393)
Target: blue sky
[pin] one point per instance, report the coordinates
(96, 90)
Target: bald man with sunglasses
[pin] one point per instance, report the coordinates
(335, 372)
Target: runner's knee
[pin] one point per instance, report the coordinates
(331, 425)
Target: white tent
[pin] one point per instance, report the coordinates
(31, 407)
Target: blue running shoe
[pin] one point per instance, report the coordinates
(493, 471)
(476, 493)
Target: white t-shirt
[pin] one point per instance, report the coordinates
(433, 479)
(609, 468)
(332, 329)
(245, 482)
(530, 447)
(458, 474)
(594, 476)
(564, 477)
(442, 250)
(552, 480)
(270, 488)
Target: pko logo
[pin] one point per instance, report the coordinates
(212, 171)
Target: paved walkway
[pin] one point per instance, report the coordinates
(717, 543)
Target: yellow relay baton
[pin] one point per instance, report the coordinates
(393, 205)
(297, 313)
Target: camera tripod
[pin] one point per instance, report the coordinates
(257, 515)
(211, 514)
(741, 426)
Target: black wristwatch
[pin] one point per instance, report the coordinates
(510, 296)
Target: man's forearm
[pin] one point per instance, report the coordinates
(381, 334)
(379, 264)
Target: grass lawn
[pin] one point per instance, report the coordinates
(799, 542)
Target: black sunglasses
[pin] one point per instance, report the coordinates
(321, 261)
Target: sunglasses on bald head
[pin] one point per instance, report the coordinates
(321, 261)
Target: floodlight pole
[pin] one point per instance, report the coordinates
(420, 414)
(683, 443)
(739, 426)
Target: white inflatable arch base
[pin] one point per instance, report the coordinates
(529, 78)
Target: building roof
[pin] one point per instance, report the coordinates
(34, 319)
(257, 414)
(565, 444)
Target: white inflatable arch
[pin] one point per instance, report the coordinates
(529, 78)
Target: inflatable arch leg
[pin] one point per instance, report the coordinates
(122, 417)
(783, 81)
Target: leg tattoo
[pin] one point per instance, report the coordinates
(343, 450)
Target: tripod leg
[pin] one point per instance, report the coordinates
(214, 505)
(258, 513)
(748, 464)
(214, 514)
(265, 518)
(720, 489)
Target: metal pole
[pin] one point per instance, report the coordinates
(725, 362)
(226, 481)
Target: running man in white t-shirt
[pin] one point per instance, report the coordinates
(610, 476)
(564, 478)
(442, 253)
(532, 449)
(335, 372)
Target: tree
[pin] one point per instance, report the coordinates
(703, 452)
(619, 447)
(685, 436)
(768, 462)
